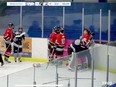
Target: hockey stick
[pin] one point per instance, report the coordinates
(53, 52)
(50, 61)
(10, 44)
(64, 58)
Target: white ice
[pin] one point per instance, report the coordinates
(22, 74)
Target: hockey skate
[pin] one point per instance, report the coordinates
(19, 59)
(6, 60)
(70, 68)
(51, 59)
(15, 59)
(2, 63)
(82, 63)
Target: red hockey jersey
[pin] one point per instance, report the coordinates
(85, 39)
(8, 35)
(61, 39)
(53, 36)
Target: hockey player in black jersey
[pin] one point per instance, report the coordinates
(18, 43)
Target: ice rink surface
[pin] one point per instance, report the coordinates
(15, 74)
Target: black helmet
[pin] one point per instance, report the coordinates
(20, 29)
(57, 29)
(88, 31)
(62, 30)
(10, 24)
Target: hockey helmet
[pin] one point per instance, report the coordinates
(57, 29)
(87, 30)
(62, 30)
(11, 25)
(20, 29)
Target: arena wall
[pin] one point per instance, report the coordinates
(37, 51)
(100, 55)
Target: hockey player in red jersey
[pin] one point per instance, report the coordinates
(60, 42)
(85, 38)
(8, 37)
(52, 39)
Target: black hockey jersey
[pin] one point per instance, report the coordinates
(19, 38)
